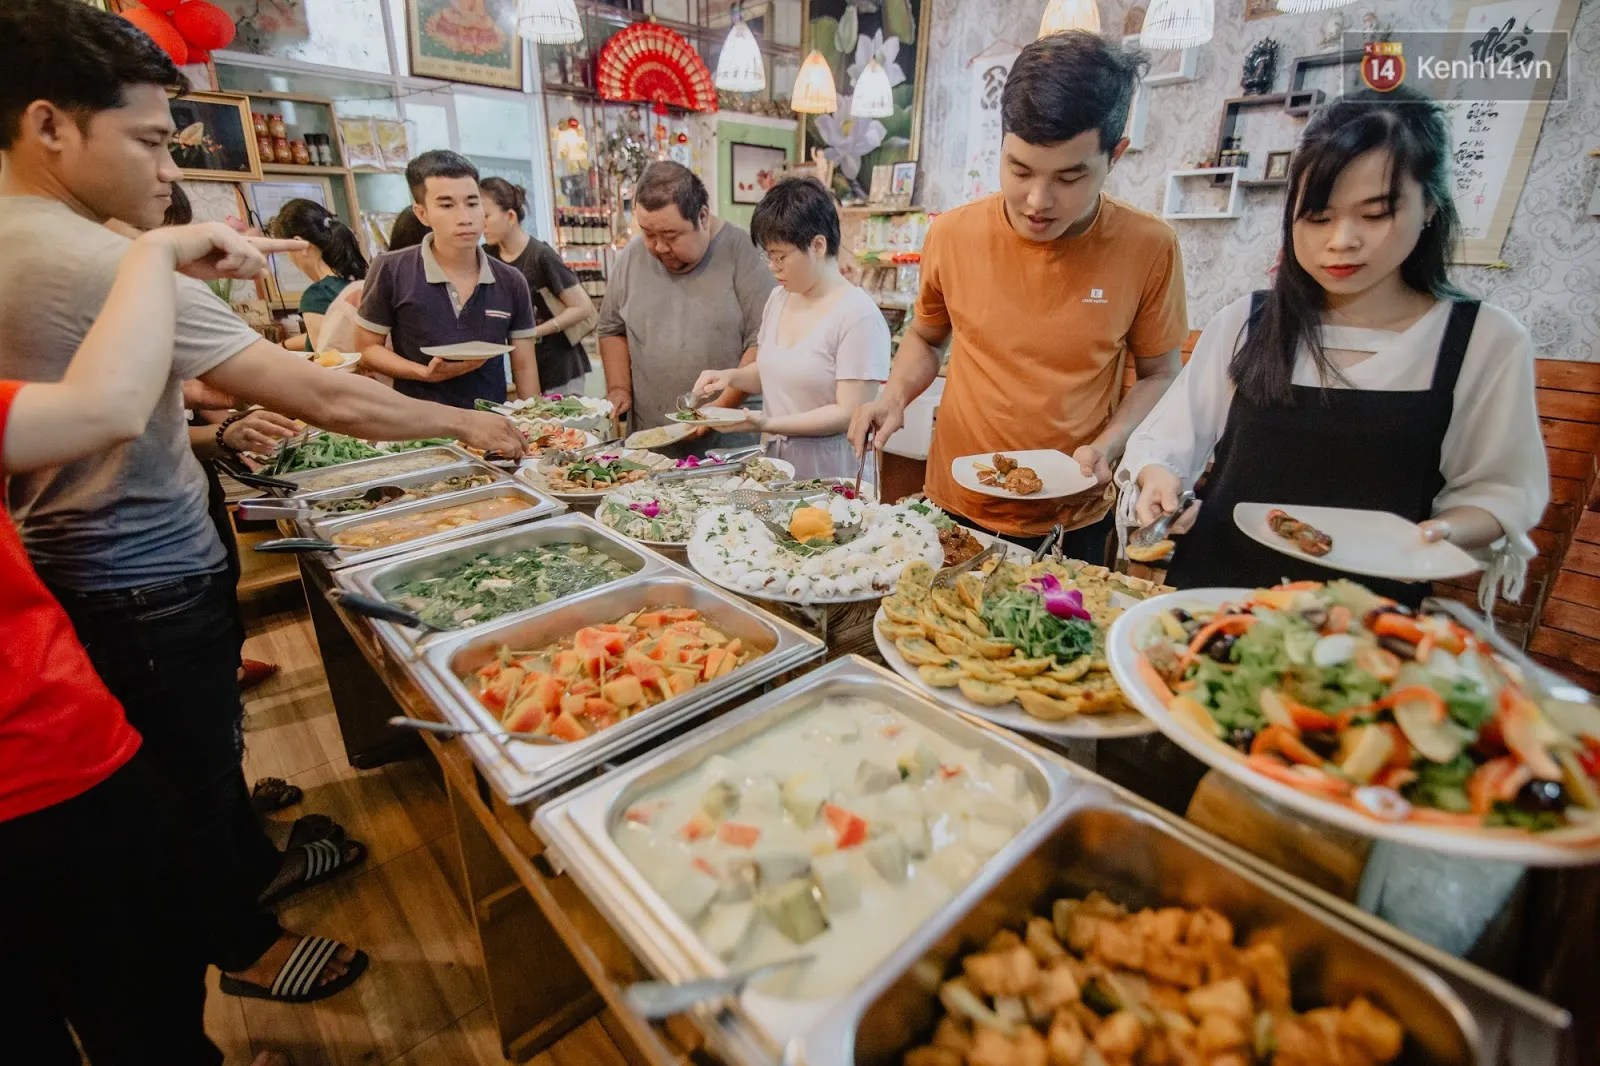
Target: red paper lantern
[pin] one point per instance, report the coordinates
(204, 25)
(198, 55)
(160, 30)
(163, 6)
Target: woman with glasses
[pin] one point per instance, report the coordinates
(824, 345)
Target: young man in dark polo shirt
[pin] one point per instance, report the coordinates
(447, 290)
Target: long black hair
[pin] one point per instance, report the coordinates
(1414, 132)
(313, 223)
(507, 197)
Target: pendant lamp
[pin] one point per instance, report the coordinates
(814, 92)
(740, 68)
(549, 21)
(874, 96)
(1305, 7)
(1063, 15)
(1172, 24)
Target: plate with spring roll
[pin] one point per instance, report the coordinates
(1370, 543)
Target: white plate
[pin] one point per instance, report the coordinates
(535, 475)
(1012, 716)
(671, 434)
(1373, 543)
(467, 350)
(349, 361)
(1123, 654)
(712, 414)
(1058, 470)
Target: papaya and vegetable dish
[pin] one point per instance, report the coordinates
(1092, 983)
(1404, 717)
(604, 674)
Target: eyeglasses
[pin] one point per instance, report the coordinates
(779, 257)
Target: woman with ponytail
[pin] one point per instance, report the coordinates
(1363, 378)
(332, 259)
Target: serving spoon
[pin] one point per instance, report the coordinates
(661, 999)
(446, 730)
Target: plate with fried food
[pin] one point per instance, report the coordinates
(1042, 474)
(332, 360)
(1370, 543)
(1030, 656)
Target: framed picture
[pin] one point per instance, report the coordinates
(216, 138)
(754, 169)
(902, 183)
(1277, 166)
(283, 282)
(1171, 67)
(1260, 9)
(474, 41)
(882, 178)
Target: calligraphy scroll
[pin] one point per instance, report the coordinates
(989, 71)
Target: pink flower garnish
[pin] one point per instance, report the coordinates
(1063, 603)
(649, 509)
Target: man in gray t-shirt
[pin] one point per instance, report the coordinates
(685, 296)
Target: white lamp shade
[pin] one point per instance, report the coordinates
(1170, 24)
(1305, 7)
(814, 92)
(740, 68)
(549, 21)
(874, 96)
(1063, 15)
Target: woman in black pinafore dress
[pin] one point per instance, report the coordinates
(1361, 379)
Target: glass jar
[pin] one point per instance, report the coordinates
(281, 152)
(276, 128)
(260, 120)
(300, 153)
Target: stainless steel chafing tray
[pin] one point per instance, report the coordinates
(578, 829)
(521, 771)
(1136, 859)
(372, 469)
(328, 528)
(380, 579)
(305, 525)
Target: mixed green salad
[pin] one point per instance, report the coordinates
(490, 586)
(315, 452)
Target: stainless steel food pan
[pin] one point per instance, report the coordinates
(305, 524)
(329, 528)
(371, 470)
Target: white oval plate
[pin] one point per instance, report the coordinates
(1122, 651)
(1012, 716)
(349, 361)
(1058, 470)
(1372, 543)
(712, 414)
(669, 434)
(467, 350)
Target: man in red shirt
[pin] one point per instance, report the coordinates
(97, 921)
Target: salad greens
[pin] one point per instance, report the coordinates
(417, 445)
(1443, 785)
(600, 471)
(1020, 617)
(493, 585)
(324, 449)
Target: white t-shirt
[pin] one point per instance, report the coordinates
(848, 342)
(1492, 456)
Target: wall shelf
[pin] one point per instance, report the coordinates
(1173, 200)
(1265, 183)
(300, 168)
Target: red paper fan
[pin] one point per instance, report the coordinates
(652, 63)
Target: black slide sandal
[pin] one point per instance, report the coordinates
(297, 980)
(325, 860)
(309, 828)
(274, 794)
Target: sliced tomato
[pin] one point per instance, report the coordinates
(849, 828)
(567, 727)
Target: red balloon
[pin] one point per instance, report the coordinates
(161, 30)
(198, 55)
(204, 25)
(163, 6)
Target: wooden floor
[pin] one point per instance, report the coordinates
(422, 1001)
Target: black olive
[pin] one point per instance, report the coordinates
(1539, 795)
(1180, 616)
(1242, 737)
(1324, 744)
(1220, 647)
(1403, 648)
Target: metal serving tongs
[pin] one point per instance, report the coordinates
(444, 729)
(1156, 532)
(760, 503)
(733, 461)
(662, 999)
(368, 607)
(1543, 683)
(946, 578)
(270, 507)
(571, 455)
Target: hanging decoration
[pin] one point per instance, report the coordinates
(549, 21)
(740, 67)
(814, 92)
(1173, 24)
(188, 32)
(1063, 15)
(571, 145)
(653, 64)
(874, 96)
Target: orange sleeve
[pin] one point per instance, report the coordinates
(930, 293)
(8, 392)
(1162, 321)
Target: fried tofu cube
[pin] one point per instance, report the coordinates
(1066, 1042)
(1372, 1029)
(1002, 973)
(1056, 988)
(1219, 1033)
(1117, 944)
(1270, 973)
(1207, 927)
(992, 1048)
(953, 1035)
(932, 1056)
(1120, 1036)
(1040, 937)
(1178, 964)
(1229, 998)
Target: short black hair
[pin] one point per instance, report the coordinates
(77, 57)
(438, 163)
(665, 182)
(408, 231)
(1068, 83)
(507, 197)
(796, 211)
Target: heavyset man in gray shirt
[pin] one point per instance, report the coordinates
(685, 296)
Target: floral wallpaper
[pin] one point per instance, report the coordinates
(1552, 278)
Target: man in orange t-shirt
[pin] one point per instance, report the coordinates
(1045, 291)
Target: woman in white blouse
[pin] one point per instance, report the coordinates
(824, 346)
(1361, 379)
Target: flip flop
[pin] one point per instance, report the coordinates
(325, 860)
(297, 980)
(309, 828)
(274, 794)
